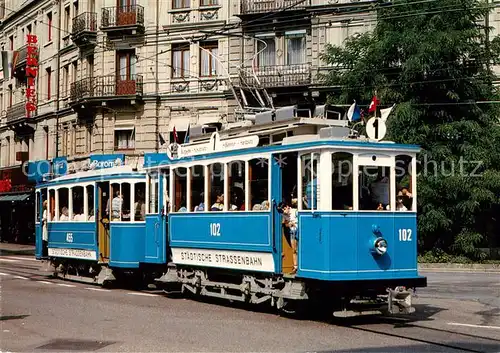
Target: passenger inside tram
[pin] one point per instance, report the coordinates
(219, 203)
(64, 214)
(116, 206)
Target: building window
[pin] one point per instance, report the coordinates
(88, 139)
(180, 60)
(65, 75)
(181, 4)
(126, 64)
(49, 25)
(209, 2)
(90, 66)
(49, 82)
(67, 16)
(11, 43)
(295, 49)
(266, 50)
(75, 8)
(208, 62)
(124, 139)
(74, 74)
(11, 96)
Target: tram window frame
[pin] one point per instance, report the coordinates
(128, 203)
(238, 167)
(37, 207)
(127, 192)
(72, 202)
(180, 197)
(112, 187)
(314, 156)
(212, 192)
(196, 196)
(51, 205)
(364, 181)
(409, 196)
(135, 199)
(152, 189)
(59, 205)
(262, 162)
(336, 178)
(90, 203)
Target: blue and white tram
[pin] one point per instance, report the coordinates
(90, 225)
(222, 204)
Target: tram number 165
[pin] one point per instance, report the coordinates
(215, 229)
(405, 235)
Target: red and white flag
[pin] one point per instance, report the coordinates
(176, 138)
(373, 105)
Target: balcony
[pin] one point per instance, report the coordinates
(84, 30)
(249, 7)
(17, 119)
(278, 76)
(19, 61)
(93, 91)
(122, 20)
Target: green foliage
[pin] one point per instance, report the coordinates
(432, 59)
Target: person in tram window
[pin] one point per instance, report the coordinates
(64, 214)
(219, 203)
(201, 206)
(380, 192)
(45, 229)
(91, 215)
(140, 208)
(399, 203)
(116, 206)
(265, 205)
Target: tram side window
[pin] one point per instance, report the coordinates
(153, 193)
(63, 195)
(139, 202)
(216, 186)
(342, 185)
(310, 184)
(180, 189)
(126, 202)
(374, 188)
(404, 187)
(78, 214)
(258, 173)
(52, 205)
(90, 203)
(236, 182)
(198, 188)
(115, 203)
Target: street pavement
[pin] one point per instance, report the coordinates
(458, 312)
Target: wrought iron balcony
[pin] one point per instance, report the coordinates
(84, 30)
(279, 76)
(265, 6)
(123, 19)
(106, 88)
(16, 112)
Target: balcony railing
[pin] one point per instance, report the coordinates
(261, 6)
(16, 112)
(20, 56)
(279, 76)
(85, 22)
(122, 16)
(106, 87)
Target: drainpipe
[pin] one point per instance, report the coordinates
(58, 92)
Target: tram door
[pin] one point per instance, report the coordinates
(103, 198)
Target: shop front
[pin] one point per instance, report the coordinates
(17, 206)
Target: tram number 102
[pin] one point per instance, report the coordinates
(405, 235)
(215, 229)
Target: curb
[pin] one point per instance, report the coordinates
(451, 267)
(17, 252)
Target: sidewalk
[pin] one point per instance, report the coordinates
(16, 249)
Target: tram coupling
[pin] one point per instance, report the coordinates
(399, 301)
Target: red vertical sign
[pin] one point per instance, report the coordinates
(31, 73)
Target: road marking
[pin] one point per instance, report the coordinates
(7, 260)
(143, 294)
(98, 289)
(20, 277)
(470, 325)
(65, 285)
(4, 274)
(22, 258)
(45, 282)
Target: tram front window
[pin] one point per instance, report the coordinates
(342, 185)
(310, 185)
(404, 181)
(374, 188)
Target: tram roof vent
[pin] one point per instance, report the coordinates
(334, 132)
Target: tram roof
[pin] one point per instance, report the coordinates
(120, 172)
(155, 160)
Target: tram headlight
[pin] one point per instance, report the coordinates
(380, 246)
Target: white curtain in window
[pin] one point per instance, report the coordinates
(267, 56)
(209, 62)
(133, 62)
(123, 67)
(177, 63)
(185, 59)
(296, 50)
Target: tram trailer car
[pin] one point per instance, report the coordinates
(87, 240)
(227, 236)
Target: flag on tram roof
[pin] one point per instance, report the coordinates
(384, 113)
(373, 105)
(354, 113)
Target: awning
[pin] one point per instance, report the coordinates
(14, 197)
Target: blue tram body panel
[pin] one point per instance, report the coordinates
(222, 230)
(38, 241)
(340, 246)
(155, 239)
(72, 235)
(126, 244)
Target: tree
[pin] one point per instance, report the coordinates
(432, 59)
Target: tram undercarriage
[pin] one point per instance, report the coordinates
(286, 293)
